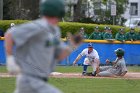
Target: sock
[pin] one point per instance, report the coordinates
(85, 68)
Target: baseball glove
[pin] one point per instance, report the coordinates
(74, 40)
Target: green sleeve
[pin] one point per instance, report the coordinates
(138, 36)
(86, 36)
(127, 36)
(104, 36)
(91, 36)
(117, 36)
(111, 36)
(135, 37)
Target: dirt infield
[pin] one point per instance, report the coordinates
(78, 75)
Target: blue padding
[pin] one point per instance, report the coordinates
(2, 53)
(105, 51)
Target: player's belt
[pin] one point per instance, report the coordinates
(38, 77)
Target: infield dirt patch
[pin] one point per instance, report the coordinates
(79, 75)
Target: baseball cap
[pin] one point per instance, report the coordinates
(90, 45)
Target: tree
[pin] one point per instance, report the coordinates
(77, 11)
(101, 15)
(6, 10)
(21, 9)
(121, 6)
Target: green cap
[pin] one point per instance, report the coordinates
(52, 8)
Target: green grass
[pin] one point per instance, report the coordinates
(77, 69)
(134, 68)
(72, 69)
(82, 85)
(3, 69)
(7, 85)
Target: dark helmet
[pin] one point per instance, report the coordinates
(119, 52)
(52, 8)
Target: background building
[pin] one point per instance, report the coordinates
(133, 10)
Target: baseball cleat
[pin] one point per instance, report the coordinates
(94, 73)
(84, 74)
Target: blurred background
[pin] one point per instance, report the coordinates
(85, 11)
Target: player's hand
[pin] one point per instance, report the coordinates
(12, 67)
(74, 63)
(132, 40)
(123, 41)
(107, 61)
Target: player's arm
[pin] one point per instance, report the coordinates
(64, 50)
(91, 36)
(117, 37)
(77, 59)
(124, 69)
(83, 53)
(9, 44)
(110, 62)
(12, 67)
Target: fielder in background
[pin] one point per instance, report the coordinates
(38, 49)
(83, 33)
(131, 35)
(92, 58)
(96, 34)
(138, 35)
(108, 34)
(118, 67)
(120, 35)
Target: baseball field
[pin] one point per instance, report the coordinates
(71, 81)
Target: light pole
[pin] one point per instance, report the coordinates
(1, 9)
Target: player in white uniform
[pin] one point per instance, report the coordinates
(92, 58)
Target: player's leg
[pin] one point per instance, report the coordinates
(104, 68)
(85, 66)
(95, 66)
(105, 74)
(49, 89)
(27, 84)
(22, 85)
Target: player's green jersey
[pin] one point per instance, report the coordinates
(96, 36)
(107, 36)
(120, 37)
(131, 36)
(85, 36)
(138, 36)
